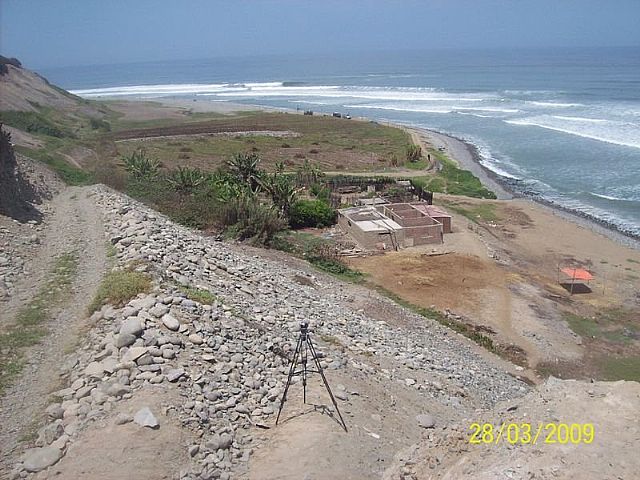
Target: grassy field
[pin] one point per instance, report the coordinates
(485, 212)
(207, 140)
(331, 143)
(612, 338)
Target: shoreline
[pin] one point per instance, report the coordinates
(464, 153)
(467, 156)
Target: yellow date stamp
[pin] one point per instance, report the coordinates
(531, 434)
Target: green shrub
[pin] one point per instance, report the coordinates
(120, 286)
(321, 192)
(245, 217)
(414, 153)
(98, 124)
(140, 166)
(33, 122)
(311, 213)
(185, 179)
(198, 295)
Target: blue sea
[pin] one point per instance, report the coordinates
(559, 125)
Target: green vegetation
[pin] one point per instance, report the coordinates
(120, 286)
(417, 165)
(333, 143)
(452, 180)
(110, 250)
(485, 212)
(318, 252)
(70, 174)
(413, 153)
(311, 213)
(609, 325)
(247, 218)
(185, 180)
(98, 124)
(244, 167)
(281, 189)
(140, 166)
(33, 122)
(585, 327)
(621, 368)
(29, 327)
(198, 295)
(242, 200)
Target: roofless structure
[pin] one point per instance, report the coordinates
(393, 225)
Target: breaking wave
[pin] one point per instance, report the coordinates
(616, 132)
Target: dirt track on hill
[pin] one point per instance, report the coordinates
(74, 225)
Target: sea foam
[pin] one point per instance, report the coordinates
(610, 131)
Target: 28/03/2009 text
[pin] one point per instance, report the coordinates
(528, 434)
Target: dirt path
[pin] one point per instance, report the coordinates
(396, 173)
(74, 226)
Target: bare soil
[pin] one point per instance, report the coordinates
(72, 226)
(610, 408)
(107, 451)
(503, 273)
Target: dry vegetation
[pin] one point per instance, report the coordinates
(331, 143)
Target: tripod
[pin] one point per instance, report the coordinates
(303, 348)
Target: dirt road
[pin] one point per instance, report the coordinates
(73, 227)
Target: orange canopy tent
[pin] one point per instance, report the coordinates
(577, 274)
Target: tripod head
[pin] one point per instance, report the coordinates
(304, 329)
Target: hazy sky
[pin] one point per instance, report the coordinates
(79, 32)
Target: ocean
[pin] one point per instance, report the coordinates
(560, 125)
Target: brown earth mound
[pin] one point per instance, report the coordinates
(609, 409)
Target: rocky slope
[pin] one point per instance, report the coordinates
(182, 384)
(213, 372)
(24, 184)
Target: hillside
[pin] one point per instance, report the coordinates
(26, 91)
(198, 355)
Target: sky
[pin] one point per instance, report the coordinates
(47, 33)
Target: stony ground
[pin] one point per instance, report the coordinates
(179, 384)
(211, 374)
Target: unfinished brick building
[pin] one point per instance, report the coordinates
(392, 226)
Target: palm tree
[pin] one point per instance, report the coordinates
(139, 165)
(185, 180)
(244, 166)
(283, 192)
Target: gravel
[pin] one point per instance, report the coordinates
(222, 356)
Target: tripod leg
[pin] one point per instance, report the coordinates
(324, 379)
(304, 354)
(292, 368)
